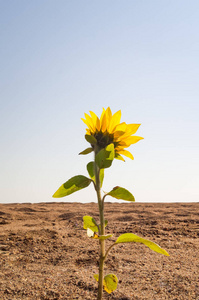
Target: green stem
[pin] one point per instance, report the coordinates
(107, 252)
(102, 231)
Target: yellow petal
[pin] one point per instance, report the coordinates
(115, 120)
(103, 121)
(121, 127)
(126, 153)
(96, 120)
(117, 156)
(108, 118)
(89, 122)
(132, 128)
(102, 115)
(88, 131)
(130, 140)
(118, 134)
(108, 114)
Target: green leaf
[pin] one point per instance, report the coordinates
(105, 157)
(104, 237)
(91, 139)
(90, 169)
(105, 223)
(110, 282)
(74, 184)
(121, 193)
(86, 151)
(90, 223)
(101, 177)
(96, 276)
(130, 237)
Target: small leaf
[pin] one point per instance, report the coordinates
(110, 283)
(130, 237)
(104, 237)
(91, 139)
(74, 184)
(105, 223)
(121, 193)
(90, 223)
(96, 276)
(105, 156)
(90, 169)
(86, 151)
(101, 177)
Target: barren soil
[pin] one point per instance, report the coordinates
(46, 254)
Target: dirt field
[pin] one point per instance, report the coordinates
(46, 254)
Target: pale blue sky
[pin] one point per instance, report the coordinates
(59, 59)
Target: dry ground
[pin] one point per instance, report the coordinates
(45, 253)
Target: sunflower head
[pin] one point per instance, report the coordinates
(108, 130)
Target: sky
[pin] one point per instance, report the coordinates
(61, 59)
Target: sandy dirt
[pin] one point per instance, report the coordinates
(46, 254)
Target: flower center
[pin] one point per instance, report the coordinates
(103, 139)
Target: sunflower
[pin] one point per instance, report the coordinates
(108, 130)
